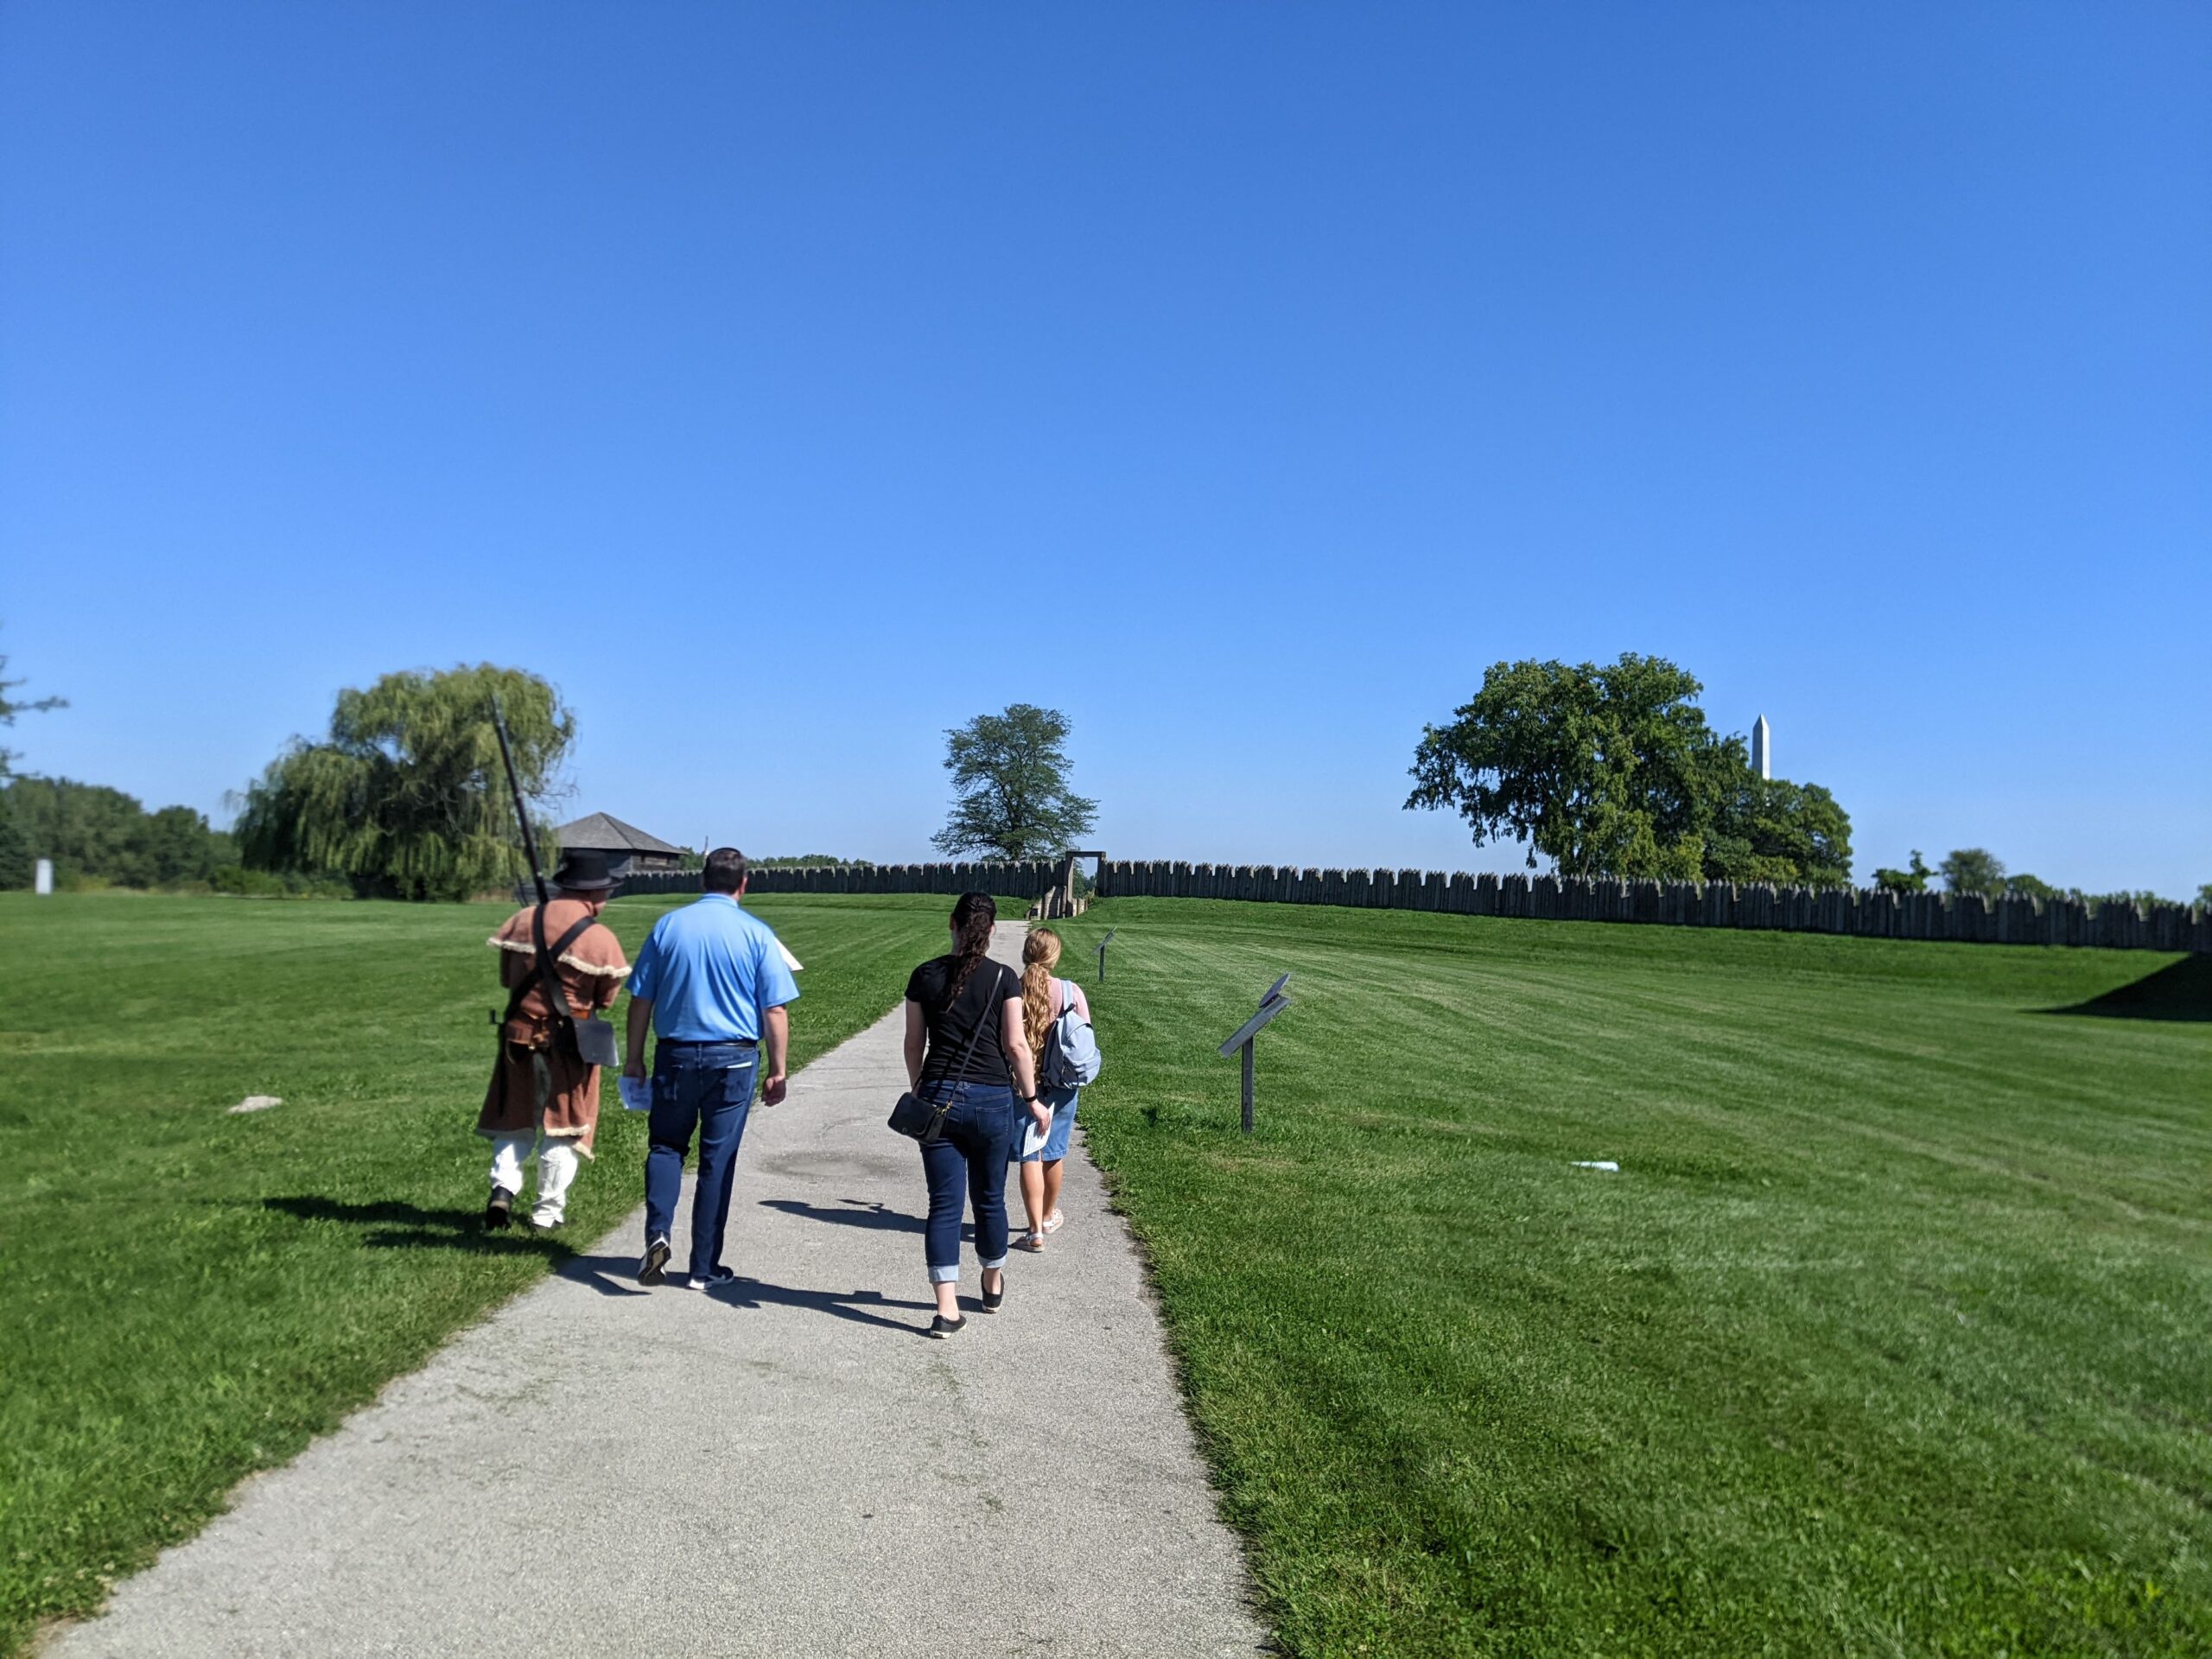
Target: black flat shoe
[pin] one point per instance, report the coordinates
(500, 1210)
(993, 1298)
(941, 1326)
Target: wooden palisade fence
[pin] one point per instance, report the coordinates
(1968, 918)
(1027, 880)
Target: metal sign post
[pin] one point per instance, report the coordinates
(1248, 1033)
(1102, 943)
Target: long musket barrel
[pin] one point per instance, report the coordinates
(514, 788)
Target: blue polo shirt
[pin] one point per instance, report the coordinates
(709, 969)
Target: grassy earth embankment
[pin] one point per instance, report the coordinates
(1888, 1337)
(186, 1295)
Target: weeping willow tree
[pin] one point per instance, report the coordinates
(406, 795)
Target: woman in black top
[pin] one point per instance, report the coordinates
(964, 1043)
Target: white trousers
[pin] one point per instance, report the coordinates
(557, 1170)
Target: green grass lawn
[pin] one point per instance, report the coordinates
(186, 1295)
(1889, 1337)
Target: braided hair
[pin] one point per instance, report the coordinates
(973, 918)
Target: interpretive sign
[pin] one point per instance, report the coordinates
(1248, 1033)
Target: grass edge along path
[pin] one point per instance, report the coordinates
(1888, 1337)
(187, 1296)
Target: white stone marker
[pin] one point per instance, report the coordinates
(1763, 749)
(42, 878)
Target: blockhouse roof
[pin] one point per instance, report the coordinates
(603, 833)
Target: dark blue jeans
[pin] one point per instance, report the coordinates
(707, 1087)
(969, 1154)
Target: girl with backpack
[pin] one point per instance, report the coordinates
(1056, 1018)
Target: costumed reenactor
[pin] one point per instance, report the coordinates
(544, 1091)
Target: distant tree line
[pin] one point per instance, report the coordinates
(1614, 771)
(1976, 870)
(100, 835)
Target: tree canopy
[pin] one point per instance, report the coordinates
(1912, 879)
(1771, 829)
(406, 795)
(1614, 771)
(10, 707)
(1010, 786)
(1973, 869)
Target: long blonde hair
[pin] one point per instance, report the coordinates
(1040, 954)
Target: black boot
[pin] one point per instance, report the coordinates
(500, 1211)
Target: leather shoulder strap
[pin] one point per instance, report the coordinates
(549, 974)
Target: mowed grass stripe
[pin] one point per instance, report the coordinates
(1888, 1339)
(187, 1296)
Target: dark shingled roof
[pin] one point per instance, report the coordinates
(600, 833)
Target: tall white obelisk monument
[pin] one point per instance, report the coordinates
(1763, 749)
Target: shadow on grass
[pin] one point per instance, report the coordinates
(865, 1214)
(410, 1226)
(615, 1276)
(2180, 990)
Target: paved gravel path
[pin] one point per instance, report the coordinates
(786, 1467)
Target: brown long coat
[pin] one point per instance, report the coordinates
(535, 1085)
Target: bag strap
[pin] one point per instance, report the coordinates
(973, 1038)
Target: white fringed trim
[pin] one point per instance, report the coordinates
(567, 959)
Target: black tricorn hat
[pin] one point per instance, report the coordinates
(584, 871)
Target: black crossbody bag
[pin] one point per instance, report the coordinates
(590, 1039)
(915, 1117)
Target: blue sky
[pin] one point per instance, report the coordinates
(792, 383)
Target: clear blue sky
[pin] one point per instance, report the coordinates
(790, 382)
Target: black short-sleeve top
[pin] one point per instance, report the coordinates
(977, 1010)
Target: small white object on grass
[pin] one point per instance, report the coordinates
(256, 1104)
(1598, 1163)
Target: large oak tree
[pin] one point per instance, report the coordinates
(1010, 786)
(1614, 771)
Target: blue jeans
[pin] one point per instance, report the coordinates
(709, 1087)
(970, 1153)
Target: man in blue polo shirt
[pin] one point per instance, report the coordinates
(712, 984)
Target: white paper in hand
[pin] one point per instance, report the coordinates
(1032, 1138)
(636, 1094)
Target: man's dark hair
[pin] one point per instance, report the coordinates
(725, 871)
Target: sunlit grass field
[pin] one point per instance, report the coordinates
(188, 1295)
(1888, 1336)
(1892, 1334)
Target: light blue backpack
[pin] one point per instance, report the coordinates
(1071, 1047)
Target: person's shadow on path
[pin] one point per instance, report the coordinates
(869, 1213)
(600, 1273)
(406, 1226)
(410, 1227)
(866, 1213)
